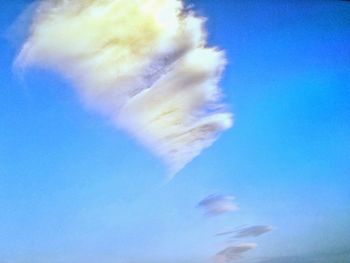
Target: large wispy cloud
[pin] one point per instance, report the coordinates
(142, 63)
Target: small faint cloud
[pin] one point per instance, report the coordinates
(214, 205)
(253, 231)
(233, 253)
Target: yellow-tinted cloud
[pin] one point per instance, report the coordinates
(143, 63)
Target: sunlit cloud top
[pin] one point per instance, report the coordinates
(142, 63)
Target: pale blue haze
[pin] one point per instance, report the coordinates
(74, 189)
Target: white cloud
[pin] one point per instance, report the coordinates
(142, 63)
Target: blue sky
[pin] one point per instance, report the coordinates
(74, 189)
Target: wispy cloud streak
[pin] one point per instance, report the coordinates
(142, 63)
(249, 231)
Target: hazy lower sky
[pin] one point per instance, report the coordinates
(75, 189)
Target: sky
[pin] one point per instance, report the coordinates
(75, 189)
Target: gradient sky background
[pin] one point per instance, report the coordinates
(73, 189)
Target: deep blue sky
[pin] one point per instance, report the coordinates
(73, 189)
